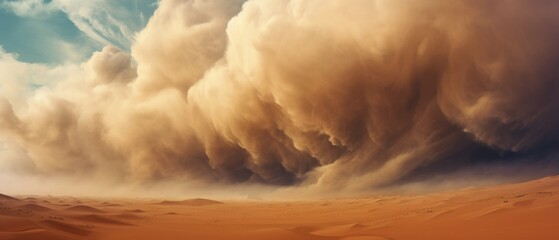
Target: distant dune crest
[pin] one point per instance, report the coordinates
(192, 202)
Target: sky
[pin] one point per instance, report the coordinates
(58, 31)
(281, 98)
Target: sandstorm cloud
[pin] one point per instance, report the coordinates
(328, 93)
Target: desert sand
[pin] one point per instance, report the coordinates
(515, 211)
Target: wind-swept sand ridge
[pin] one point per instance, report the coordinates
(35, 207)
(7, 198)
(515, 211)
(83, 208)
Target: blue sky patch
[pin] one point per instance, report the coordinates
(58, 31)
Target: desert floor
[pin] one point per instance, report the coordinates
(517, 211)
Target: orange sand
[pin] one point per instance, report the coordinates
(519, 211)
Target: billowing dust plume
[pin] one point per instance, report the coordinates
(328, 93)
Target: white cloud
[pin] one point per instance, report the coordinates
(20, 79)
(106, 22)
(98, 21)
(28, 7)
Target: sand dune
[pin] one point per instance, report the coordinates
(280, 234)
(366, 238)
(41, 234)
(105, 204)
(7, 198)
(192, 202)
(136, 211)
(64, 227)
(84, 208)
(16, 224)
(35, 207)
(515, 211)
(128, 216)
(99, 219)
